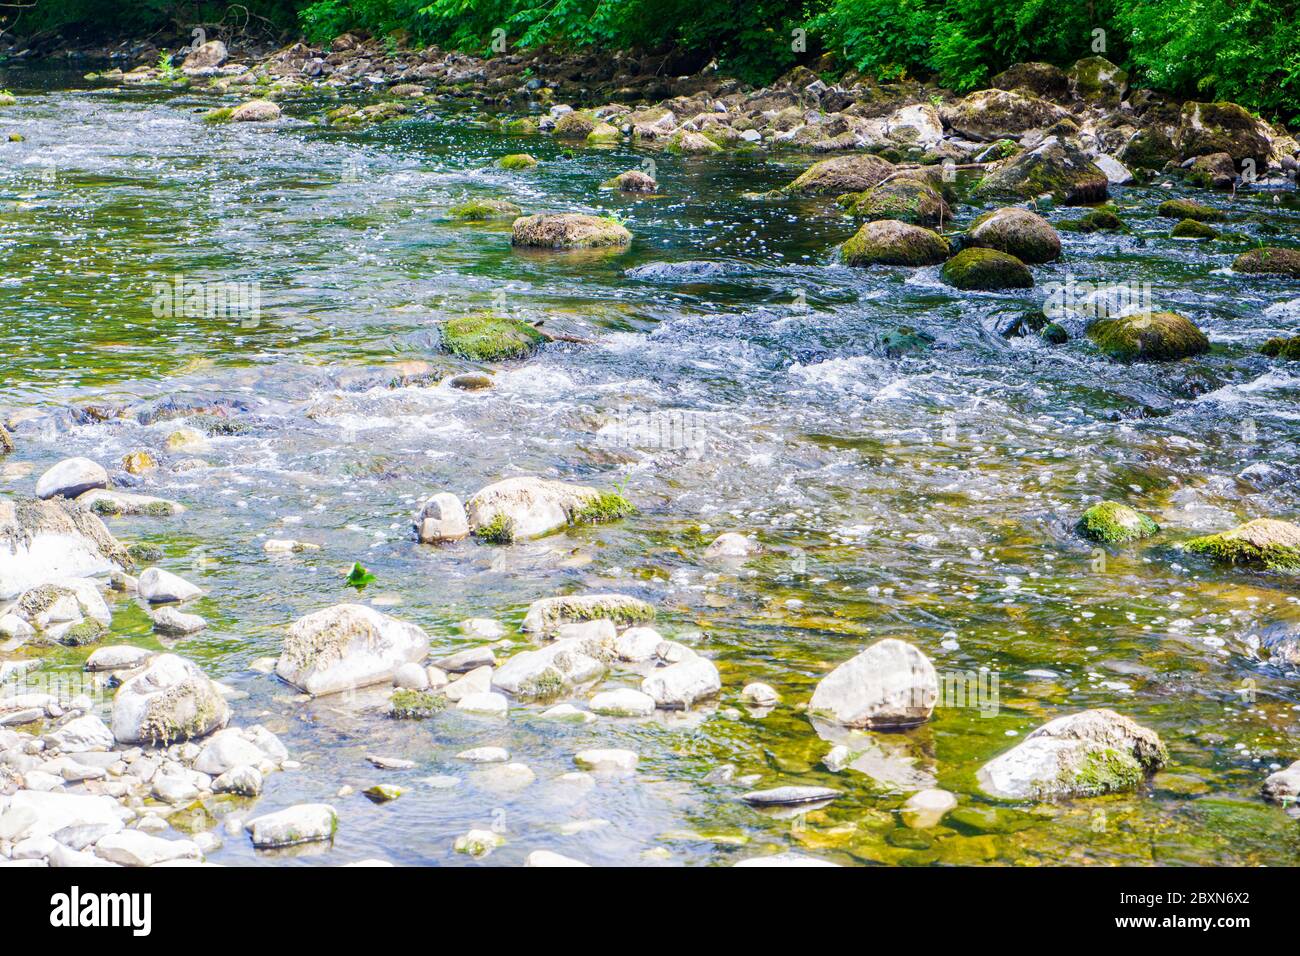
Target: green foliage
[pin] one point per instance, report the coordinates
(359, 577)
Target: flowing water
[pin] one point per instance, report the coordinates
(928, 496)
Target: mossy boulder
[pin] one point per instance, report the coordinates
(8, 99)
(255, 111)
(688, 143)
(524, 126)
(1212, 171)
(904, 199)
(546, 615)
(1264, 544)
(575, 125)
(482, 210)
(1096, 78)
(487, 337)
(1187, 209)
(517, 161)
(6, 441)
(169, 700)
(1055, 168)
(1080, 755)
(1222, 127)
(990, 115)
(893, 243)
(1150, 148)
(1149, 337)
(1282, 348)
(1192, 229)
(1024, 234)
(1040, 79)
(1269, 260)
(569, 230)
(632, 181)
(604, 134)
(843, 174)
(1103, 219)
(1113, 523)
(976, 269)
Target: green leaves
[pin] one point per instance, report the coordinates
(359, 577)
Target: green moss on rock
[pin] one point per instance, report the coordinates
(890, 242)
(1187, 209)
(516, 161)
(1095, 220)
(904, 199)
(487, 337)
(82, 633)
(1191, 229)
(986, 269)
(482, 210)
(1018, 232)
(843, 174)
(569, 230)
(608, 506)
(1287, 349)
(1265, 543)
(415, 704)
(500, 530)
(1149, 337)
(1269, 260)
(1113, 523)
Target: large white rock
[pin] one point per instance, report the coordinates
(226, 750)
(71, 477)
(304, 823)
(485, 705)
(548, 670)
(1284, 786)
(117, 657)
(531, 506)
(1083, 754)
(44, 541)
(134, 848)
(348, 646)
(441, 518)
(680, 685)
(160, 587)
(608, 759)
(168, 620)
(638, 644)
(33, 814)
(919, 124)
(547, 615)
(170, 700)
(890, 684)
(81, 735)
(624, 702)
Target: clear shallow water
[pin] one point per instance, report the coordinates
(928, 497)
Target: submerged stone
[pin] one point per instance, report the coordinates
(482, 210)
(487, 337)
(790, 796)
